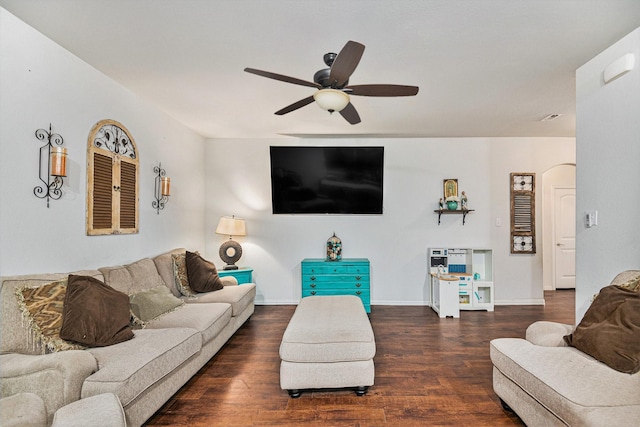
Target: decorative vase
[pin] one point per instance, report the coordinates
(334, 248)
(452, 206)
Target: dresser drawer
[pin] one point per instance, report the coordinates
(335, 268)
(324, 278)
(363, 294)
(336, 285)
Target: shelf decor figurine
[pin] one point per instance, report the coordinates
(441, 204)
(334, 248)
(464, 201)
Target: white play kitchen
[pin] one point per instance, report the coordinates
(460, 279)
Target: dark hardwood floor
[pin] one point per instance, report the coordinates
(429, 372)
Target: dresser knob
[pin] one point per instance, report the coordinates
(313, 292)
(313, 285)
(358, 285)
(358, 293)
(313, 277)
(358, 277)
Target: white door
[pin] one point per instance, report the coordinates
(565, 238)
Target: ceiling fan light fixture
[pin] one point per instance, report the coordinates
(331, 99)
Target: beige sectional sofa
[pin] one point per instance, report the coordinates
(143, 372)
(548, 383)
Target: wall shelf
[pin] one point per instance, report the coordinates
(462, 212)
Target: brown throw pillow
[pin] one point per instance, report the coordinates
(610, 329)
(203, 276)
(95, 314)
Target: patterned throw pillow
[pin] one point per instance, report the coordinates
(631, 285)
(42, 309)
(180, 274)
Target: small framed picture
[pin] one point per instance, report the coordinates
(450, 188)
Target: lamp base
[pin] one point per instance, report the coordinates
(230, 252)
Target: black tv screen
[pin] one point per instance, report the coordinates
(326, 180)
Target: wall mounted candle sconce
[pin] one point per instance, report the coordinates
(162, 188)
(56, 165)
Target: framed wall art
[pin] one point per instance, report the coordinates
(523, 213)
(450, 188)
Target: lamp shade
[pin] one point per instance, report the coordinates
(231, 226)
(331, 99)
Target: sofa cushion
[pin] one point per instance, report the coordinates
(202, 274)
(43, 308)
(148, 305)
(138, 276)
(572, 385)
(23, 410)
(129, 368)
(610, 329)
(239, 296)
(208, 319)
(94, 314)
(102, 410)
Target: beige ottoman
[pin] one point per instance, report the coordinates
(328, 343)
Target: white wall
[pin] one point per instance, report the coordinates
(42, 83)
(608, 172)
(238, 183)
(519, 278)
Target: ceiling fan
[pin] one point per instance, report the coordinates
(333, 84)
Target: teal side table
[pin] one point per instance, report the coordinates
(349, 276)
(242, 275)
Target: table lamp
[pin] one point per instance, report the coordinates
(231, 251)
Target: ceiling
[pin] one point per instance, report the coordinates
(485, 68)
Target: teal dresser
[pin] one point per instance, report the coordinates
(242, 275)
(349, 276)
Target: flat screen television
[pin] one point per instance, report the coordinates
(327, 180)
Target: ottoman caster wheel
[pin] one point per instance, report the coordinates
(294, 394)
(361, 391)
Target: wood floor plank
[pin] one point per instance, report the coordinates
(429, 372)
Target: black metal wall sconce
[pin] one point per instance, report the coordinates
(162, 189)
(56, 165)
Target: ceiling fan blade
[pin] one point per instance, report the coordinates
(295, 106)
(282, 78)
(345, 63)
(350, 114)
(382, 90)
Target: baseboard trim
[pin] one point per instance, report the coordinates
(536, 301)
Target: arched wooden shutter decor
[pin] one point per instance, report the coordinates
(523, 213)
(112, 180)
